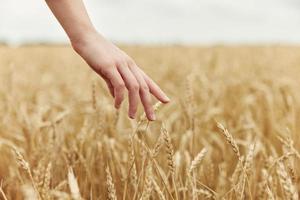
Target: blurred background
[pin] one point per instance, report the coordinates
(161, 21)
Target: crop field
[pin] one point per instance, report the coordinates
(231, 130)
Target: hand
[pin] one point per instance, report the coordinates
(120, 72)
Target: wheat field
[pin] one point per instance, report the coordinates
(231, 130)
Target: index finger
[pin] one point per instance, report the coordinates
(154, 88)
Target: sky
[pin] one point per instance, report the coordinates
(161, 21)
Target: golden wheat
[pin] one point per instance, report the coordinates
(61, 138)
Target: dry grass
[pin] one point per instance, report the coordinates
(230, 132)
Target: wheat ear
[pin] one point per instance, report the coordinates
(169, 150)
(111, 191)
(197, 160)
(286, 182)
(25, 166)
(229, 139)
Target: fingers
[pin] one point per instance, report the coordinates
(144, 93)
(139, 85)
(110, 87)
(133, 89)
(154, 88)
(118, 85)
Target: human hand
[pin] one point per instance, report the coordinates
(120, 72)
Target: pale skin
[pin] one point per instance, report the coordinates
(119, 71)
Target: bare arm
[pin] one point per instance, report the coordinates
(118, 70)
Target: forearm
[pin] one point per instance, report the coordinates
(117, 69)
(73, 17)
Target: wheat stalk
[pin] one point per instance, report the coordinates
(237, 171)
(2, 192)
(73, 185)
(158, 190)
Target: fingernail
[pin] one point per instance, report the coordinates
(167, 99)
(131, 116)
(152, 117)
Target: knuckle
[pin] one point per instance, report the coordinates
(145, 88)
(120, 86)
(130, 61)
(111, 63)
(120, 62)
(105, 72)
(135, 87)
(105, 68)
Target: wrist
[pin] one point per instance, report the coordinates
(80, 39)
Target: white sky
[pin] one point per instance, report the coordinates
(162, 21)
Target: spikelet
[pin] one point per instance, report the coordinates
(133, 171)
(144, 150)
(111, 191)
(158, 145)
(143, 117)
(60, 116)
(286, 182)
(197, 160)
(264, 189)
(289, 144)
(205, 193)
(245, 171)
(210, 167)
(38, 175)
(46, 183)
(229, 139)
(73, 185)
(270, 195)
(292, 173)
(26, 167)
(249, 158)
(21, 161)
(169, 150)
(148, 187)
